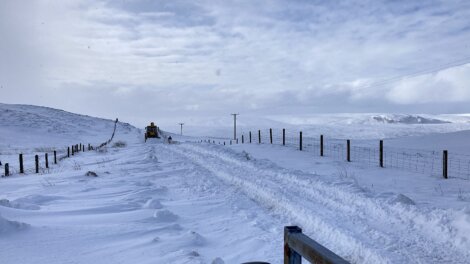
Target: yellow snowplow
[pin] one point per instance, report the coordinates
(151, 131)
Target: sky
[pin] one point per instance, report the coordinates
(171, 61)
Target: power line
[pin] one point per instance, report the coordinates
(441, 67)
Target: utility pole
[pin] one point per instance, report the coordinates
(235, 126)
(181, 124)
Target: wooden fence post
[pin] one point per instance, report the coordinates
(290, 256)
(21, 164)
(230, 142)
(80, 149)
(250, 137)
(36, 159)
(321, 145)
(381, 153)
(348, 150)
(55, 157)
(243, 139)
(237, 140)
(300, 141)
(271, 135)
(68, 152)
(298, 246)
(73, 150)
(259, 136)
(7, 170)
(46, 158)
(444, 164)
(283, 136)
(224, 143)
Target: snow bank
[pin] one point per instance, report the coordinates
(165, 216)
(7, 226)
(18, 205)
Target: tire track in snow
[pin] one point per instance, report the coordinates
(433, 224)
(358, 227)
(274, 196)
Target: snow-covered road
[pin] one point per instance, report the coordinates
(342, 217)
(194, 203)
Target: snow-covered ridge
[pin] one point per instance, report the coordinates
(36, 126)
(339, 125)
(407, 119)
(370, 118)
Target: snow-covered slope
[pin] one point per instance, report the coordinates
(27, 126)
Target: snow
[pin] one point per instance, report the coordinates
(7, 226)
(353, 126)
(193, 202)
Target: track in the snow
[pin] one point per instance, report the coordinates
(360, 228)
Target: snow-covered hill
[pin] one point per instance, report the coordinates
(27, 126)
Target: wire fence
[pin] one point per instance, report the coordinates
(34, 163)
(364, 153)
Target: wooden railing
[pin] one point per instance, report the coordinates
(298, 246)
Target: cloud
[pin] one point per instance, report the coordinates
(449, 86)
(211, 57)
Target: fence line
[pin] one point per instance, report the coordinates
(442, 163)
(45, 161)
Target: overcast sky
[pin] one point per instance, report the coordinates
(146, 60)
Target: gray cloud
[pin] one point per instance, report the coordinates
(184, 58)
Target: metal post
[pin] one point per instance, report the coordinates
(348, 150)
(259, 136)
(271, 135)
(381, 153)
(47, 160)
(55, 157)
(321, 145)
(235, 126)
(68, 152)
(21, 164)
(444, 164)
(243, 139)
(250, 136)
(7, 169)
(283, 136)
(181, 128)
(36, 159)
(300, 139)
(290, 256)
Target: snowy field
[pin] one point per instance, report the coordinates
(194, 202)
